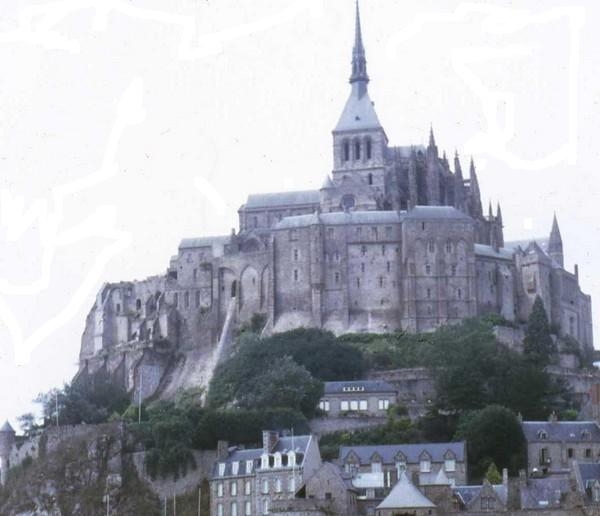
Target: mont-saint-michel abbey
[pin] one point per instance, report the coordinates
(395, 239)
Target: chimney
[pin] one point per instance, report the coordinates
(505, 477)
(270, 439)
(577, 272)
(222, 450)
(522, 478)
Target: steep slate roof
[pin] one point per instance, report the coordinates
(284, 444)
(544, 492)
(412, 452)
(7, 428)
(436, 212)
(405, 495)
(358, 114)
(588, 473)
(282, 199)
(488, 251)
(192, 243)
(363, 385)
(468, 493)
(569, 431)
(340, 218)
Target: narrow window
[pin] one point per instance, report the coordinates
(195, 274)
(356, 150)
(363, 250)
(428, 293)
(381, 281)
(431, 246)
(330, 232)
(138, 304)
(383, 250)
(453, 270)
(118, 308)
(337, 277)
(295, 255)
(423, 226)
(427, 269)
(358, 231)
(357, 282)
(448, 246)
(459, 293)
(295, 274)
(374, 232)
(176, 300)
(370, 178)
(186, 299)
(346, 150)
(234, 509)
(368, 148)
(233, 488)
(388, 232)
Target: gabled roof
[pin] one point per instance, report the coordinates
(284, 445)
(282, 199)
(404, 495)
(540, 493)
(568, 431)
(412, 452)
(340, 218)
(436, 212)
(358, 385)
(489, 252)
(358, 114)
(469, 493)
(192, 243)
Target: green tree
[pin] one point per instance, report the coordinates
(493, 435)
(538, 344)
(492, 474)
(283, 384)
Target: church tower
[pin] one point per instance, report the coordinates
(555, 245)
(359, 143)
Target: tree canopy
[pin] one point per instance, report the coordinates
(538, 344)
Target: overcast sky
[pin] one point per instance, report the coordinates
(128, 125)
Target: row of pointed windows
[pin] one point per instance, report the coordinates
(354, 149)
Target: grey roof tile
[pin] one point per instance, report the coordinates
(282, 199)
(412, 452)
(568, 431)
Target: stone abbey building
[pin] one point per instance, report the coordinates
(396, 238)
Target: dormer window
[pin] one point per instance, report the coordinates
(249, 466)
(586, 435)
(425, 465)
(264, 461)
(542, 435)
(291, 458)
(221, 469)
(278, 460)
(235, 466)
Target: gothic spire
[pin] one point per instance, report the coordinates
(475, 194)
(490, 211)
(457, 167)
(431, 137)
(499, 214)
(359, 78)
(555, 245)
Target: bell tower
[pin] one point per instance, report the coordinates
(359, 141)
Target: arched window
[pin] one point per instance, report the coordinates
(448, 246)
(368, 148)
(370, 178)
(346, 146)
(357, 150)
(138, 304)
(431, 246)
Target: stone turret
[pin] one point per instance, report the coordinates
(7, 439)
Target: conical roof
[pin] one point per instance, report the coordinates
(404, 495)
(7, 428)
(441, 479)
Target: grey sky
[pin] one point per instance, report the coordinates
(128, 125)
